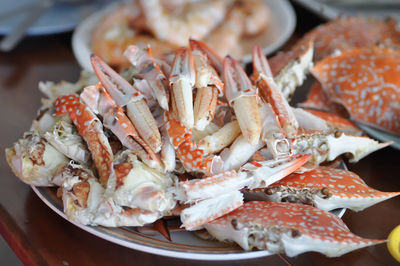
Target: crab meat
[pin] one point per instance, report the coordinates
(325, 188)
(365, 81)
(138, 186)
(182, 80)
(221, 138)
(286, 227)
(124, 94)
(264, 173)
(269, 91)
(115, 119)
(327, 146)
(308, 121)
(150, 70)
(91, 130)
(84, 202)
(208, 210)
(243, 98)
(35, 161)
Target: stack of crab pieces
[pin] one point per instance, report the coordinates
(116, 149)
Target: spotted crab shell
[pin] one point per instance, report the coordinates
(287, 227)
(325, 188)
(367, 83)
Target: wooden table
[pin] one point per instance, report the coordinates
(39, 236)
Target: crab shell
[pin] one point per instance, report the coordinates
(346, 33)
(35, 161)
(325, 188)
(286, 227)
(367, 83)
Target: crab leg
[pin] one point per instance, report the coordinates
(265, 173)
(243, 98)
(114, 119)
(325, 188)
(91, 130)
(151, 72)
(182, 80)
(124, 94)
(271, 94)
(286, 227)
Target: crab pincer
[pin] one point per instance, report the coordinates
(115, 119)
(243, 98)
(182, 80)
(213, 58)
(269, 91)
(281, 227)
(208, 86)
(91, 130)
(124, 94)
(150, 70)
(325, 188)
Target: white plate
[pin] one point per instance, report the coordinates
(281, 27)
(184, 245)
(59, 18)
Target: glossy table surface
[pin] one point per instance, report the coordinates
(39, 236)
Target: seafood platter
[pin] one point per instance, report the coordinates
(192, 144)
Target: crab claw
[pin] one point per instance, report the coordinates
(325, 188)
(84, 202)
(271, 94)
(115, 119)
(91, 130)
(35, 161)
(286, 227)
(124, 94)
(327, 146)
(182, 80)
(272, 133)
(214, 59)
(243, 98)
(264, 173)
(208, 210)
(151, 72)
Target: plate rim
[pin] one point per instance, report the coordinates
(81, 38)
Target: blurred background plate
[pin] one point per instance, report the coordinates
(63, 16)
(280, 28)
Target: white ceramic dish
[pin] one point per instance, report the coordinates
(184, 245)
(281, 27)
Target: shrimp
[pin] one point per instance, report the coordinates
(197, 21)
(256, 16)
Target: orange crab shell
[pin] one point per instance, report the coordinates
(340, 183)
(309, 221)
(367, 83)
